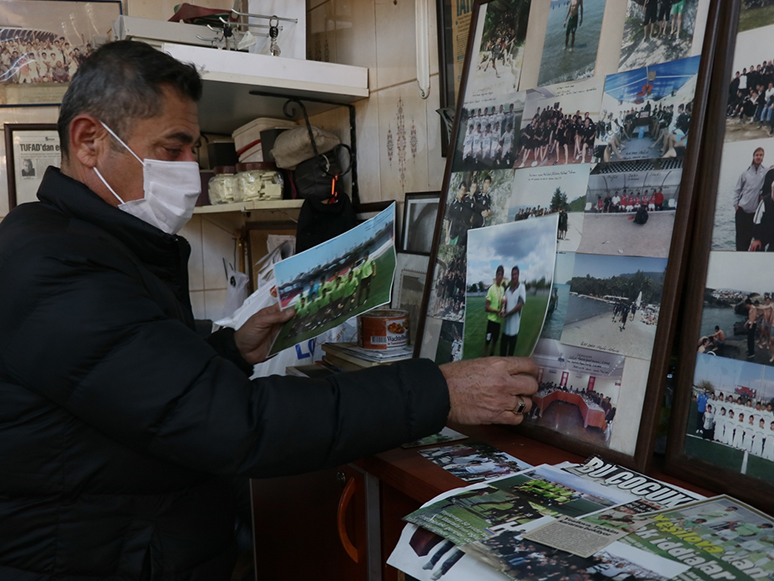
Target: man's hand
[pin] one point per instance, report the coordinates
(755, 246)
(490, 390)
(254, 338)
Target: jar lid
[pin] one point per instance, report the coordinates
(256, 165)
(224, 169)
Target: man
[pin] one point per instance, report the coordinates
(572, 23)
(515, 297)
(482, 204)
(751, 325)
(763, 224)
(746, 198)
(123, 427)
(28, 170)
(365, 274)
(493, 308)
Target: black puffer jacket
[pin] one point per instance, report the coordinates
(120, 426)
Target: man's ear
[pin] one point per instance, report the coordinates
(88, 140)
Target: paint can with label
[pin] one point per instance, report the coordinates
(383, 329)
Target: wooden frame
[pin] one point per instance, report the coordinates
(41, 148)
(410, 244)
(657, 368)
(678, 462)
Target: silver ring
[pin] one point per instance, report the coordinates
(521, 408)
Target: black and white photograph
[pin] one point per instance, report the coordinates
(659, 31)
(560, 123)
(420, 211)
(489, 135)
(731, 422)
(630, 213)
(495, 65)
(750, 108)
(409, 287)
(744, 187)
(552, 190)
(646, 112)
(578, 392)
(475, 199)
(738, 311)
(572, 40)
(474, 461)
(450, 340)
(614, 304)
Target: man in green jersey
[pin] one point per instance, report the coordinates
(324, 314)
(365, 273)
(350, 286)
(337, 296)
(493, 308)
(311, 313)
(301, 313)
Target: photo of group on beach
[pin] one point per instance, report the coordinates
(614, 304)
(646, 112)
(630, 213)
(659, 31)
(731, 420)
(559, 124)
(336, 280)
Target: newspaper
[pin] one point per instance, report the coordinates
(475, 461)
(576, 536)
(719, 538)
(480, 511)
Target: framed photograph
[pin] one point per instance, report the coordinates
(621, 237)
(266, 243)
(722, 425)
(44, 43)
(409, 287)
(420, 212)
(30, 148)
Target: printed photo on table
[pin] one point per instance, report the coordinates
(745, 187)
(630, 213)
(578, 392)
(738, 309)
(571, 41)
(552, 190)
(659, 31)
(614, 304)
(336, 280)
(560, 296)
(509, 273)
(750, 112)
(447, 298)
(731, 422)
(489, 134)
(495, 65)
(475, 199)
(559, 124)
(474, 461)
(646, 112)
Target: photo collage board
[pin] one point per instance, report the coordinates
(730, 421)
(578, 110)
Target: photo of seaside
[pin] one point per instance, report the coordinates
(614, 304)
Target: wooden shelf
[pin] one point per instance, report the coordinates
(251, 206)
(229, 77)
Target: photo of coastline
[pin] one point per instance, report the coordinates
(560, 296)
(614, 304)
(572, 40)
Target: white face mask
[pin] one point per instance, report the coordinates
(171, 190)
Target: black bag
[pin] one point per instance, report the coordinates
(321, 220)
(318, 178)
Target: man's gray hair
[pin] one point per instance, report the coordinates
(122, 82)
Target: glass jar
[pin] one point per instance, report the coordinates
(222, 187)
(258, 181)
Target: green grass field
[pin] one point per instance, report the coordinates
(756, 17)
(717, 454)
(380, 294)
(475, 326)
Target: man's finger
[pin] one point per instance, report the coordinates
(517, 365)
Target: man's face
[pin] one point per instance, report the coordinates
(487, 184)
(758, 157)
(170, 136)
(515, 277)
(499, 275)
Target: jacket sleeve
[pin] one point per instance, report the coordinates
(85, 334)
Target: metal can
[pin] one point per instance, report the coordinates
(383, 329)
